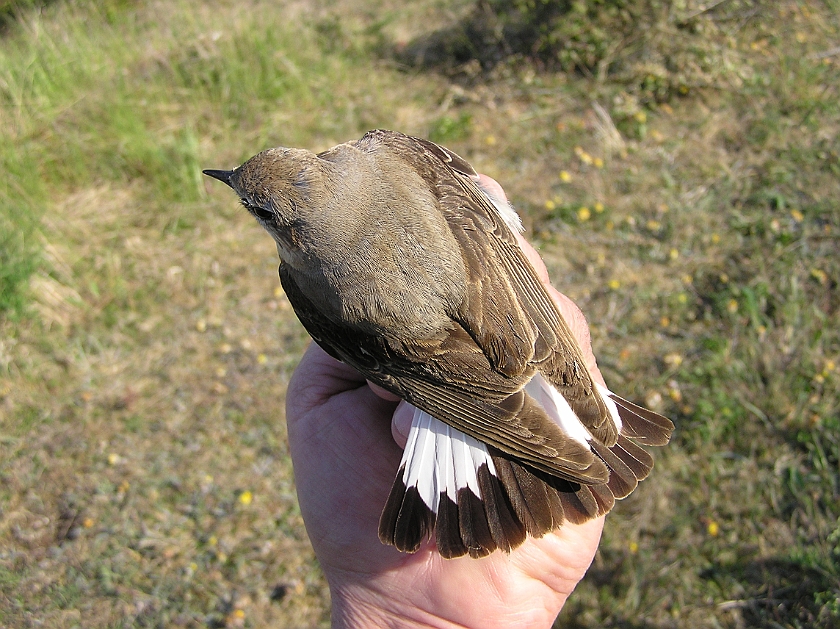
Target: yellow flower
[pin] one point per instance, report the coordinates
(641, 117)
(599, 163)
(598, 207)
(614, 284)
(653, 225)
(674, 359)
(687, 279)
(797, 215)
(246, 497)
(830, 365)
(664, 322)
(201, 325)
(653, 399)
(682, 298)
(262, 359)
(550, 205)
(673, 254)
(565, 177)
(87, 523)
(113, 458)
(490, 140)
(586, 158)
(584, 214)
(819, 275)
(713, 528)
(732, 306)
(634, 548)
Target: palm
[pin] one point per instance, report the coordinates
(345, 460)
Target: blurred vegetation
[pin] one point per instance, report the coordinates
(675, 161)
(657, 49)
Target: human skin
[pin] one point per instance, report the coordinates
(345, 437)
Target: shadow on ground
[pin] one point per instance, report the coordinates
(489, 33)
(777, 592)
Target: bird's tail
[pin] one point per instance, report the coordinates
(475, 499)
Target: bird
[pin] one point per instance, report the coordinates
(399, 264)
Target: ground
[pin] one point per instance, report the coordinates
(145, 344)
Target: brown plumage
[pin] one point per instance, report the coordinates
(398, 264)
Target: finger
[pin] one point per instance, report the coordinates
(383, 393)
(492, 188)
(401, 422)
(317, 378)
(403, 414)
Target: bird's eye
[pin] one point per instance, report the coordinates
(263, 214)
(257, 211)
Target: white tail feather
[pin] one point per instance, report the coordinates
(439, 459)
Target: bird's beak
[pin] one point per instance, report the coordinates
(221, 175)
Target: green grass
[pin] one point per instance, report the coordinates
(145, 348)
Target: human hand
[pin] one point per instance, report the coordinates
(345, 453)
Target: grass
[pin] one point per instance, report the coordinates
(145, 346)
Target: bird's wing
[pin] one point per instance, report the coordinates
(508, 312)
(458, 386)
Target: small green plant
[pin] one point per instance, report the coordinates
(449, 129)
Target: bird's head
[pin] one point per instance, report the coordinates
(276, 187)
